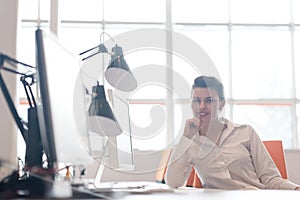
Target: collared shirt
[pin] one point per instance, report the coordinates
(240, 160)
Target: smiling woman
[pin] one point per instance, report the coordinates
(224, 155)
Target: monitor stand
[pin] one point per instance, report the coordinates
(108, 158)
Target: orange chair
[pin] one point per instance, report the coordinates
(193, 180)
(274, 147)
(197, 182)
(190, 181)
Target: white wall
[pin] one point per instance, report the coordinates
(292, 158)
(8, 130)
(146, 164)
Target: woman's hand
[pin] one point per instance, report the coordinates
(192, 127)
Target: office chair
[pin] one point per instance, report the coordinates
(190, 181)
(275, 149)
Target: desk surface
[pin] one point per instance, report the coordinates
(163, 192)
(191, 194)
(195, 194)
(207, 194)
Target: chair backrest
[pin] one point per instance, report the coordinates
(190, 181)
(193, 180)
(275, 149)
(197, 182)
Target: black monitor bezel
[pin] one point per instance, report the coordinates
(44, 109)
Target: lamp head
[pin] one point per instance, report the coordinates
(118, 73)
(101, 117)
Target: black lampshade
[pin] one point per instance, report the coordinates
(118, 73)
(101, 117)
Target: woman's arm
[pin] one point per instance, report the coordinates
(265, 167)
(179, 166)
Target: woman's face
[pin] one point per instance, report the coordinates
(206, 104)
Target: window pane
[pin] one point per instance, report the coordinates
(29, 9)
(82, 10)
(258, 11)
(26, 54)
(212, 11)
(144, 61)
(26, 45)
(148, 125)
(184, 73)
(116, 29)
(145, 56)
(148, 67)
(79, 37)
(182, 112)
(296, 11)
(149, 90)
(45, 11)
(270, 122)
(214, 41)
(261, 64)
(135, 10)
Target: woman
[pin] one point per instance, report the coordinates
(225, 155)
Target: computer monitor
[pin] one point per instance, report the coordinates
(62, 109)
(124, 140)
(63, 103)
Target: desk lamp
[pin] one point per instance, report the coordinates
(118, 74)
(30, 129)
(102, 119)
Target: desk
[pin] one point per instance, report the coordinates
(201, 194)
(208, 194)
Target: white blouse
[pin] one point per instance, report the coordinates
(239, 161)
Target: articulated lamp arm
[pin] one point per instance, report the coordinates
(22, 125)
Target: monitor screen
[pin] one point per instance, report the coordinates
(124, 140)
(62, 105)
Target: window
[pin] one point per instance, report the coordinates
(257, 57)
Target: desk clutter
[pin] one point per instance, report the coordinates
(40, 188)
